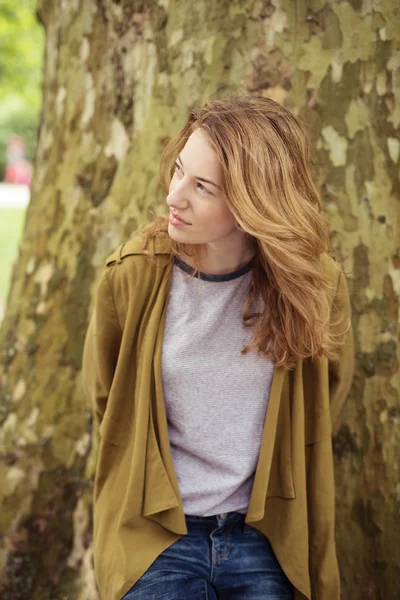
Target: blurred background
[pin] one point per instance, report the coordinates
(21, 58)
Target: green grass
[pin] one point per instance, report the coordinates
(11, 224)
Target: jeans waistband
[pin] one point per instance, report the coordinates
(218, 518)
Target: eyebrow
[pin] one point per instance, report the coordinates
(202, 178)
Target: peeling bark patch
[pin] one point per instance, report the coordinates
(59, 277)
(361, 154)
(361, 267)
(43, 276)
(393, 148)
(358, 37)
(119, 141)
(336, 94)
(81, 520)
(315, 60)
(90, 97)
(385, 358)
(345, 442)
(77, 305)
(357, 117)
(106, 168)
(391, 300)
(19, 390)
(97, 178)
(363, 514)
(336, 146)
(14, 477)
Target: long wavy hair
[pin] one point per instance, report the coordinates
(263, 150)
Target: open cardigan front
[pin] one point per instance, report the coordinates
(138, 511)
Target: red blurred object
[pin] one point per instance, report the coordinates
(18, 169)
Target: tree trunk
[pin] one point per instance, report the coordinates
(119, 78)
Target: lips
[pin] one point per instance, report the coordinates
(179, 218)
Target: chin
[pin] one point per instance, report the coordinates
(178, 236)
(182, 237)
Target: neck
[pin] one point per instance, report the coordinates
(220, 259)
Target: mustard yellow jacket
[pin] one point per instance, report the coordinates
(138, 510)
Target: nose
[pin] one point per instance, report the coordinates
(176, 198)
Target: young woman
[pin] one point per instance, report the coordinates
(217, 361)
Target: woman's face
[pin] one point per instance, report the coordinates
(195, 195)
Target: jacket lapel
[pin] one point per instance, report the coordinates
(162, 501)
(273, 475)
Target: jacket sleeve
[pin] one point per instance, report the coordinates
(324, 572)
(341, 370)
(101, 349)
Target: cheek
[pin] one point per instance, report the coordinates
(217, 217)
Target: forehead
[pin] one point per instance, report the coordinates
(197, 155)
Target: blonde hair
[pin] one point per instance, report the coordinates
(263, 150)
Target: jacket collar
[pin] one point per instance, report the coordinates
(159, 245)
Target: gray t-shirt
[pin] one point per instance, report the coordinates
(215, 397)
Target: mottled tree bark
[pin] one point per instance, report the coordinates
(119, 77)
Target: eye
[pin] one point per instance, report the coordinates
(203, 189)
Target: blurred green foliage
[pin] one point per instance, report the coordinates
(21, 58)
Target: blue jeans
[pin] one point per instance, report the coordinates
(221, 557)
